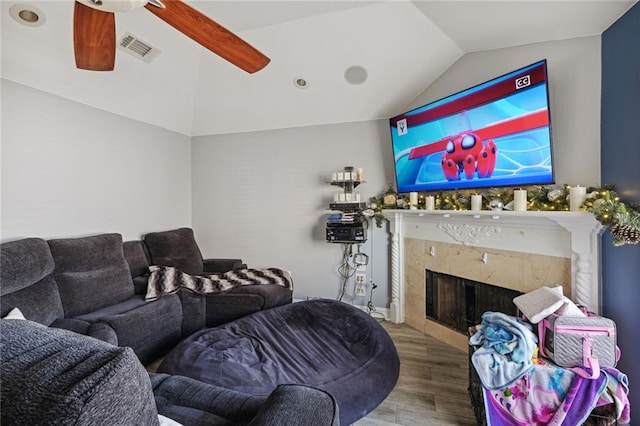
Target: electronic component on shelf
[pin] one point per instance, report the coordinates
(346, 233)
(347, 206)
(346, 228)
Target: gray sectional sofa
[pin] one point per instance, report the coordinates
(95, 285)
(78, 358)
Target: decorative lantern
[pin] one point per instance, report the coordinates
(390, 199)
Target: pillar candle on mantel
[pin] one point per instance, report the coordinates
(577, 196)
(413, 200)
(476, 202)
(429, 202)
(520, 200)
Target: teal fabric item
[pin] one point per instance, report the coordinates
(506, 346)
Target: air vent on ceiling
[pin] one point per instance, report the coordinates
(138, 48)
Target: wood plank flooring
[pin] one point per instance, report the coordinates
(432, 387)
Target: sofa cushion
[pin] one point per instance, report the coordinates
(91, 272)
(26, 277)
(177, 248)
(24, 262)
(57, 376)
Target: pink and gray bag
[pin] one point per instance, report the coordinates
(572, 341)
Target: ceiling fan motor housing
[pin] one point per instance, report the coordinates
(114, 6)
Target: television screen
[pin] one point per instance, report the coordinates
(497, 133)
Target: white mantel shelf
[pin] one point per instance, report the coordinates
(562, 233)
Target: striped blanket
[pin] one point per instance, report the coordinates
(166, 280)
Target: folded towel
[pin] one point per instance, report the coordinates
(538, 304)
(507, 346)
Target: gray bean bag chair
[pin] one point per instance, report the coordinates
(322, 343)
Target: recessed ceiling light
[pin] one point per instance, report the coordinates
(300, 83)
(27, 15)
(355, 74)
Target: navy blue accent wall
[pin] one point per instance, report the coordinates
(620, 156)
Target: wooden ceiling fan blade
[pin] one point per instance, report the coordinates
(94, 38)
(210, 34)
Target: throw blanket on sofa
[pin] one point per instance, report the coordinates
(166, 279)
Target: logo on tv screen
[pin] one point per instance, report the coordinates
(402, 127)
(523, 82)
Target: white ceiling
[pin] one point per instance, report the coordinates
(404, 46)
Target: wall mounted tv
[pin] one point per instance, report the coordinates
(497, 133)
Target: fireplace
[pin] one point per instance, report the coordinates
(514, 251)
(458, 303)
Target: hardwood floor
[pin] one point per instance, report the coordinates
(432, 387)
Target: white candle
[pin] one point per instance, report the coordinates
(429, 202)
(476, 202)
(577, 195)
(340, 177)
(520, 200)
(413, 198)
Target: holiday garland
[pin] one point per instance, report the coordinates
(622, 220)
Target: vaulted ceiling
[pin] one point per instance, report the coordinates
(403, 46)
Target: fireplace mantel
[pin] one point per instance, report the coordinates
(574, 235)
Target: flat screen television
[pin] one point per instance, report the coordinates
(497, 133)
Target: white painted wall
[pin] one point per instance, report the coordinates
(264, 197)
(71, 170)
(574, 70)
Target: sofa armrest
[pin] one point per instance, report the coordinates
(193, 312)
(189, 401)
(222, 265)
(100, 331)
(140, 284)
(53, 376)
(298, 405)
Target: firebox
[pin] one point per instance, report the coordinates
(459, 303)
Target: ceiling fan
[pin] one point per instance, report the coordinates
(94, 33)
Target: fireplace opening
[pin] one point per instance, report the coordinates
(459, 303)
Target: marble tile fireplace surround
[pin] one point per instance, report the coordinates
(515, 250)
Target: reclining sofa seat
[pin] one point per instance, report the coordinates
(95, 285)
(178, 248)
(193, 306)
(27, 282)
